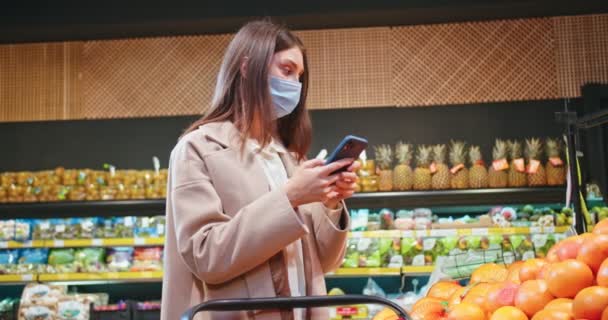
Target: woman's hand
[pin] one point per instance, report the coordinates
(314, 182)
(344, 187)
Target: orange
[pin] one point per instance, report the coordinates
(530, 269)
(552, 315)
(594, 251)
(489, 272)
(443, 290)
(561, 304)
(501, 295)
(466, 311)
(428, 309)
(509, 313)
(565, 279)
(590, 303)
(602, 274)
(533, 296)
(513, 272)
(386, 314)
(601, 227)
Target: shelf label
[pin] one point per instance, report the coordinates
(140, 241)
(464, 232)
(3, 244)
(535, 230)
(549, 229)
(508, 230)
(444, 232)
(97, 242)
(58, 243)
(408, 234)
(27, 277)
(480, 231)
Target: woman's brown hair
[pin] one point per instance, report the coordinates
(243, 99)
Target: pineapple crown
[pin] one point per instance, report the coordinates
(475, 154)
(458, 153)
(514, 149)
(439, 152)
(424, 156)
(534, 148)
(553, 147)
(403, 152)
(384, 156)
(500, 150)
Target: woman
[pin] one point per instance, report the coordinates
(247, 216)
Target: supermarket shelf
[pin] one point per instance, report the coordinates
(112, 242)
(104, 277)
(417, 270)
(456, 232)
(411, 199)
(360, 272)
(378, 199)
(8, 279)
(64, 209)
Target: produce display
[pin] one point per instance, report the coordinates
(82, 185)
(534, 163)
(85, 260)
(81, 228)
(571, 282)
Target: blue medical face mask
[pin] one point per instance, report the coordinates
(285, 95)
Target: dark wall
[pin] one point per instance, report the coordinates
(131, 143)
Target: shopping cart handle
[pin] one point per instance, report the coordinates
(291, 303)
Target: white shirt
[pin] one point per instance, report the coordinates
(276, 174)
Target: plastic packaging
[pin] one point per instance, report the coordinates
(62, 261)
(8, 261)
(42, 229)
(147, 259)
(119, 259)
(32, 260)
(90, 260)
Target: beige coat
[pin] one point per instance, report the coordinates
(226, 230)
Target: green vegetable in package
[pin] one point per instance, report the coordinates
(410, 247)
(90, 260)
(446, 245)
(62, 261)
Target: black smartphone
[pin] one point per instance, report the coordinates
(350, 147)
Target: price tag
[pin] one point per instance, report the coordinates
(428, 244)
(443, 232)
(128, 221)
(457, 168)
(533, 166)
(140, 241)
(480, 231)
(535, 230)
(27, 277)
(97, 242)
(58, 243)
(356, 235)
(347, 311)
(408, 234)
(3, 244)
(27, 244)
(549, 229)
(500, 165)
(528, 255)
(520, 165)
(508, 230)
(556, 162)
(418, 260)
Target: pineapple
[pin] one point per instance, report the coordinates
(498, 178)
(478, 174)
(556, 172)
(403, 178)
(517, 179)
(460, 173)
(384, 157)
(534, 154)
(422, 174)
(441, 176)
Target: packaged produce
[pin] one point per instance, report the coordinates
(411, 250)
(387, 219)
(119, 227)
(36, 312)
(147, 259)
(22, 230)
(146, 227)
(72, 308)
(7, 230)
(97, 299)
(8, 261)
(62, 261)
(373, 222)
(88, 228)
(119, 259)
(523, 247)
(351, 258)
(359, 219)
(42, 294)
(42, 230)
(89, 260)
(59, 228)
(32, 260)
